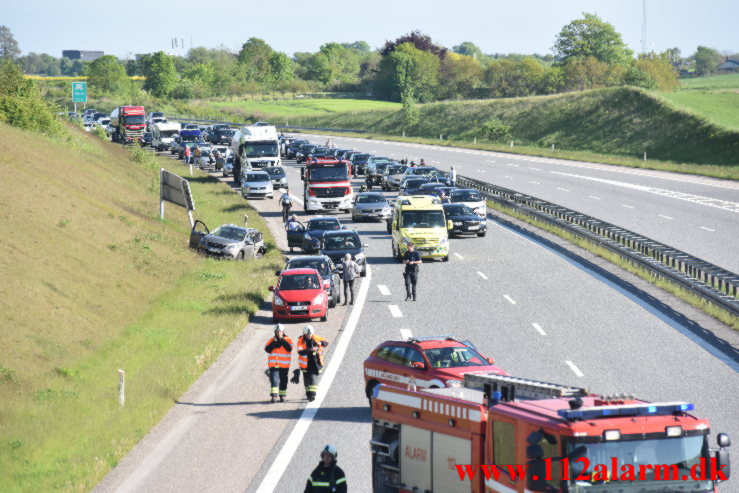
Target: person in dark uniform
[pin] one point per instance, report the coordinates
(327, 477)
(412, 260)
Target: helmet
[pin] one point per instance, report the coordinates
(330, 449)
(279, 327)
(308, 329)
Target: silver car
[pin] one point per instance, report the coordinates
(227, 241)
(370, 205)
(392, 176)
(256, 184)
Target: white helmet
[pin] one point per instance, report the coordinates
(308, 329)
(279, 328)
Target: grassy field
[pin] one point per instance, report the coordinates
(94, 281)
(710, 83)
(286, 108)
(715, 98)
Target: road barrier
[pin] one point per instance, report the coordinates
(712, 283)
(191, 119)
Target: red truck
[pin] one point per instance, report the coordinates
(128, 124)
(505, 434)
(327, 186)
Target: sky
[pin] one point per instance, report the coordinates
(515, 26)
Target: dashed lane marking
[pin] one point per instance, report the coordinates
(562, 189)
(458, 256)
(665, 217)
(708, 229)
(627, 206)
(594, 197)
(383, 290)
(574, 368)
(395, 311)
(406, 334)
(511, 300)
(534, 182)
(482, 275)
(539, 329)
(511, 164)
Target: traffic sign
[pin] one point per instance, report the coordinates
(79, 92)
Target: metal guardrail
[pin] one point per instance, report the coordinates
(181, 118)
(714, 284)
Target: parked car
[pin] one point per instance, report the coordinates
(299, 294)
(427, 362)
(303, 152)
(464, 220)
(392, 176)
(359, 162)
(326, 268)
(370, 205)
(336, 244)
(257, 184)
(277, 175)
(471, 198)
(409, 186)
(146, 139)
(293, 147)
(375, 171)
(228, 166)
(227, 241)
(191, 126)
(316, 228)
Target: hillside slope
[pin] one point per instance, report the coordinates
(618, 121)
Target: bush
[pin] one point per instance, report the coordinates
(21, 104)
(494, 129)
(100, 132)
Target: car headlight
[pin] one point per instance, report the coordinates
(457, 223)
(307, 236)
(454, 383)
(278, 301)
(319, 299)
(359, 258)
(232, 246)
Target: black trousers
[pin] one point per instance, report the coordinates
(285, 212)
(278, 380)
(310, 380)
(349, 285)
(411, 279)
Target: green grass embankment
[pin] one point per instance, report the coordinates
(94, 281)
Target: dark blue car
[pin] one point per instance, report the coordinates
(316, 228)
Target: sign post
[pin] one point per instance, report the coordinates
(176, 190)
(79, 93)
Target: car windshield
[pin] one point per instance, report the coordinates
(298, 281)
(274, 171)
(227, 132)
(380, 167)
(256, 177)
(262, 149)
(465, 196)
(370, 198)
(676, 456)
(317, 263)
(457, 209)
(230, 232)
(415, 183)
(133, 119)
(323, 225)
(422, 219)
(168, 133)
(454, 357)
(360, 157)
(329, 173)
(339, 242)
(395, 170)
(190, 138)
(157, 113)
(423, 171)
(377, 159)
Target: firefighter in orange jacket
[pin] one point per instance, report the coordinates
(310, 359)
(279, 349)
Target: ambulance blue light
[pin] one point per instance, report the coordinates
(652, 409)
(596, 412)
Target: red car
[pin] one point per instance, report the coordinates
(300, 294)
(431, 362)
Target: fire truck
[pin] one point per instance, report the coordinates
(128, 124)
(327, 186)
(500, 433)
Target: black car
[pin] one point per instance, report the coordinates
(316, 228)
(304, 151)
(146, 139)
(359, 162)
(293, 147)
(464, 220)
(336, 244)
(326, 267)
(412, 185)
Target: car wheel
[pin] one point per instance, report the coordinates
(325, 317)
(481, 235)
(445, 259)
(370, 389)
(240, 256)
(332, 303)
(364, 272)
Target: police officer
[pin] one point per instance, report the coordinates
(279, 349)
(310, 360)
(412, 260)
(327, 477)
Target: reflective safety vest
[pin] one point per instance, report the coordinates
(303, 359)
(279, 357)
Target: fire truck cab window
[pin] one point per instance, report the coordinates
(384, 353)
(504, 443)
(551, 450)
(413, 356)
(396, 355)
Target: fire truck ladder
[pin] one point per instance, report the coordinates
(511, 388)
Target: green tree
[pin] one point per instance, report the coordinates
(459, 75)
(254, 61)
(106, 75)
(660, 69)
(591, 37)
(673, 55)
(706, 60)
(161, 76)
(9, 49)
(71, 68)
(335, 65)
(423, 67)
(470, 49)
(589, 73)
(281, 69)
(512, 78)
(638, 78)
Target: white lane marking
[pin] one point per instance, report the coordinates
(575, 369)
(482, 275)
(507, 176)
(511, 164)
(539, 329)
(511, 300)
(534, 182)
(458, 256)
(594, 197)
(535, 169)
(627, 206)
(666, 217)
(270, 481)
(383, 290)
(708, 229)
(490, 161)
(406, 334)
(563, 189)
(395, 311)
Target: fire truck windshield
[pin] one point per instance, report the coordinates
(670, 460)
(262, 149)
(329, 173)
(133, 119)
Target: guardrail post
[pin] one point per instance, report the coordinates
(121, 387)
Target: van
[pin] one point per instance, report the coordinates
(420, 219)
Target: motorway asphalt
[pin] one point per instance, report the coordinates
(492, 291)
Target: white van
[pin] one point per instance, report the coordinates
(162, 135)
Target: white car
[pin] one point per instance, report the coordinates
(471, 198)
(256, 184)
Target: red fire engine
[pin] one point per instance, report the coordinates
(507, 434)
(328, 185)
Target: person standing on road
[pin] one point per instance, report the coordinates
(453, 177)
(187, 154)
(412, 260)
(279, 349)
(349, 271)
(327, 477)
(310, 360)
(286, 202)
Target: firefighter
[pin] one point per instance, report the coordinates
(279, 349)
(327, 477)
(310, 359)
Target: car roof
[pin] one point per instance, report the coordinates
(342, 232)
(427, 344)
(307, 257)
(302, 270)
(320, 218)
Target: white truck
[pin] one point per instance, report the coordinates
(256, 147)
(162, 135)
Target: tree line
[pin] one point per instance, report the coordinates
(587, 53)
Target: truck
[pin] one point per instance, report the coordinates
(162, 135)
(128, 124)
(327, 186)
(500, 433)
(256, 147)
